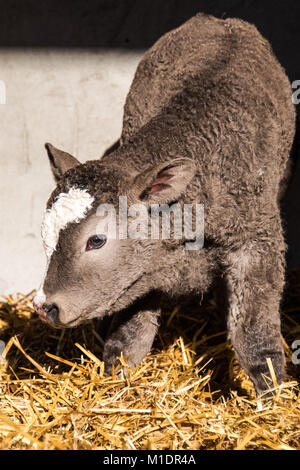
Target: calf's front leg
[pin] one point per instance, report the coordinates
(255, 279)
(133, 337)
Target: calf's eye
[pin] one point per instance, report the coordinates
(95, 242)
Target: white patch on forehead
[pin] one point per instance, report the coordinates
(68, 207)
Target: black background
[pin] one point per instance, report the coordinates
(137, 24)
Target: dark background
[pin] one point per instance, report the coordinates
(137, 24)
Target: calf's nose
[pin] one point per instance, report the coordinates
(52, 312)
(48, 312)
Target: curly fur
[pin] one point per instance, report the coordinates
(212, 93)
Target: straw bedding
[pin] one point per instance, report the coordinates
(189, 392)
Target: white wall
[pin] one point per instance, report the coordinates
(73, 99)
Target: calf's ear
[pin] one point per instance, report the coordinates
(60, 161)
(164, 183)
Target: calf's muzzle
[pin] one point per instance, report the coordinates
(48, 312)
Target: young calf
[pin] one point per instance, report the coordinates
(208, 120)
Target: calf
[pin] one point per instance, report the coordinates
(208, 120)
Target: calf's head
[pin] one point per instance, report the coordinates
(90, 271)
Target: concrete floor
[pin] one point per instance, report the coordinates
(73, 99)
